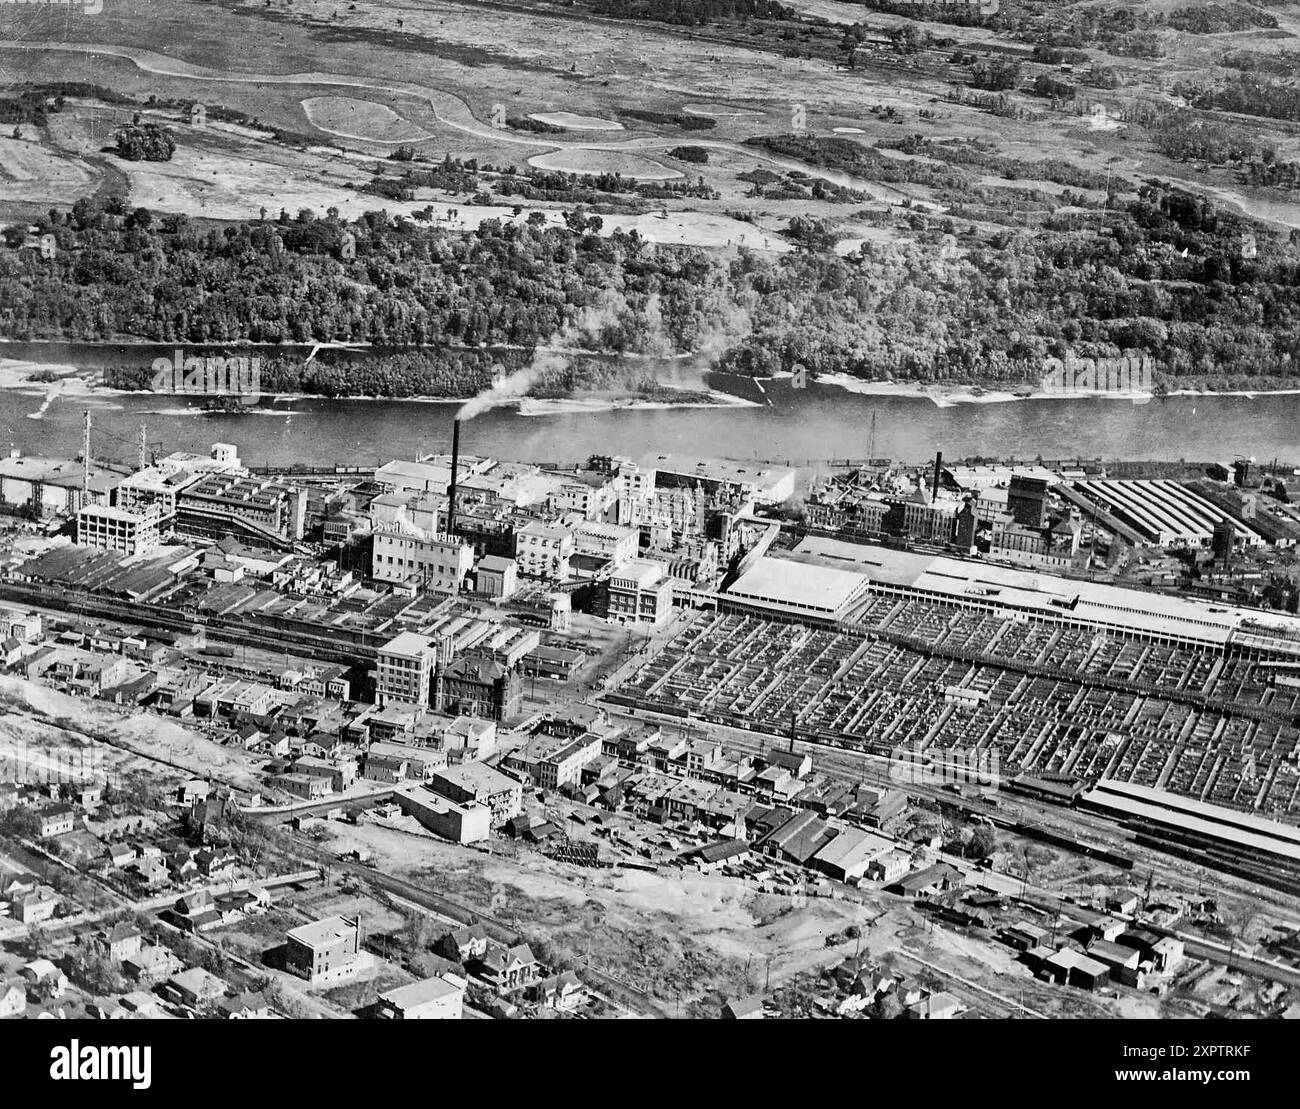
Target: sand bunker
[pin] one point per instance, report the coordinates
(577, 160)
(848, 130)
(576, 122)
(360, 119)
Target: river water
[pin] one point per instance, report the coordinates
(819, 422)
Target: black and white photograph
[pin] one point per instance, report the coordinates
(587, 510)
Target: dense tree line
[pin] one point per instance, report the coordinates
(121, 273)
(985, 156)
(839, 153)
(693, 12)
(144, 142)
(995, 74)
(684, 120)
(1169, 278)
(1165, 273)
(1285, 63)
(1184, 137)
(1249, 95)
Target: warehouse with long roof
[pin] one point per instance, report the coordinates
(825, 580)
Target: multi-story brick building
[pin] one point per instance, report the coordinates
(404, 670)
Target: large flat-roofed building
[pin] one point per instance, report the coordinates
(591, 495)
(433, 562)
(473, 782)
(1164, 512)
(25, 627)
(160, 484)
(116, 529)
(1125, 613)
(401, 476)
(848, 855)
(984, 476)
(441, 998)
(53, 485)
(639, 592)
(803, 591)
(404, 669)
(428, 475)
(324, 951)
(1197, 821)
(616, 543)
(768, 484)
(460, 822)
(552, 761)
(543, 550)
(258, 511)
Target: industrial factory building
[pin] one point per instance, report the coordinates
(116, 529)
(1164, 512)
(1125, 613)
(1195, 822)
(50, 486)
(767, 484)
(803, 590)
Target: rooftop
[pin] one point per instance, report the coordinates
(320, 932)
(718, 469)
(822, 590)
(420, 993)
(407, 645)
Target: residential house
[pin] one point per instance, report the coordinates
(215, 863)
(195, 987)
(463, 945)
(151, 965)
(939, 1006)
(152, 872)
(122, 941)
(119, 855)
(563, 993)
(45, 977)
(743, 1008)
(249, 1005)
(507, 969)
(35, 906)
(57, 820)
(13, 1001)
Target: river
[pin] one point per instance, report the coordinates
(818, 422)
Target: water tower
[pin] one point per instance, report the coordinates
(561, 612)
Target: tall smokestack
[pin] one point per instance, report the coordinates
(455, 469)
(938, 469)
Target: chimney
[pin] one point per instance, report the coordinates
(938, 468)
(455, 465)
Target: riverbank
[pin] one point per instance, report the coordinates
(529, 406)
(944, 396)
(63, 380)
